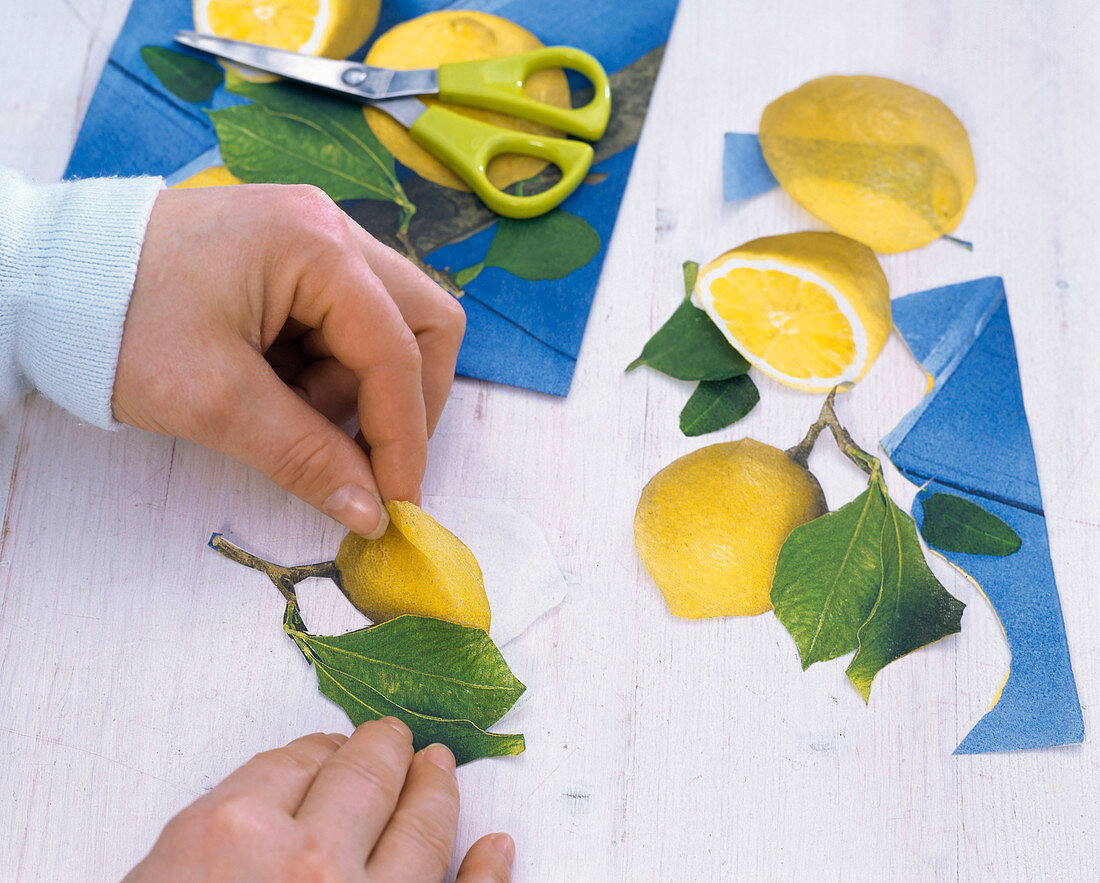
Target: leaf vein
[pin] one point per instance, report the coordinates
(305, 158)
(411, 671)
(863, 515)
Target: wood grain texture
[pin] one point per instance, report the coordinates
(138, 667)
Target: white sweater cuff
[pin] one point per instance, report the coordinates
(68, 258)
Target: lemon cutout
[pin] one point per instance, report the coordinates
(879, 161)
(215, 176)
(810, 309)
(710, 525)
(446, 36)
(417, 566)
(329, 28)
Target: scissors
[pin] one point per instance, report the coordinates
(464, 145)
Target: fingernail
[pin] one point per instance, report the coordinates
(358, 510)
(441, 756)
(398, 725)
(504, 844)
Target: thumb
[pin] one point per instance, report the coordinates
(489, 860)
(270, 428)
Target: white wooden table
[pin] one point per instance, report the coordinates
(137, 667)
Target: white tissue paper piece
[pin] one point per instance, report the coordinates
(522, 580)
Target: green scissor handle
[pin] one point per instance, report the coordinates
(497, 83)
(466, 146)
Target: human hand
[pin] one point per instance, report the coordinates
(329, 808)
(262, 318)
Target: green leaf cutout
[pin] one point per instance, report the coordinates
(550, 246)
(689, 345)
(912, 610)
(447, 682)
(292, 135)
(363, 703)
(427, 665)
(188, 78)
(343, 120)
(856, 579)
(691, 273)
(828, 576)
(716, 404)
(954, 524)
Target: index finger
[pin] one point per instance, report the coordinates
(366, 333)
(351, 800)
(282, 776)
(433, 316)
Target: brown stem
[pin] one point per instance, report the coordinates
(800, 453)
(284, 578)
(827, 418)
(441, 277)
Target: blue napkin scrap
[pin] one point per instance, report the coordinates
(970, 437)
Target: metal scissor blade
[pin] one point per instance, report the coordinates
(405, 110)
(360, 81)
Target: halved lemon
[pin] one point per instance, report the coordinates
(331, 28)
(462, 35)
(810, 309)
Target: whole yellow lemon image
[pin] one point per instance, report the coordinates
(710, 525)
(879, 161)
(462, 35)
(417, 566)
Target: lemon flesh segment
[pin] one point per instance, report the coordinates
(281, 25)
(810, 309)
(329, 28)
(879, 161)
(793, 324)
(436, 38)
(418, 567)
(709, 526)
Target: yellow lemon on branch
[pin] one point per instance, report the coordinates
(709, 526)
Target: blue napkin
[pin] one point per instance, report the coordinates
(523, 332)
(745, 172)
(970, 437)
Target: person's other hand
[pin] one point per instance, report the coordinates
(329, 808)
(262, 318)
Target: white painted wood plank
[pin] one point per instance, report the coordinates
(138, 667)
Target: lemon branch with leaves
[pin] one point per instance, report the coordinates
(427, 665)
(856, 578)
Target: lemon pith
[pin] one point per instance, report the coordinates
(811, 309)
(436, 38)
(417, 566)
(709, 526)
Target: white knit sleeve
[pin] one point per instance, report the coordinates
(68, 257)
